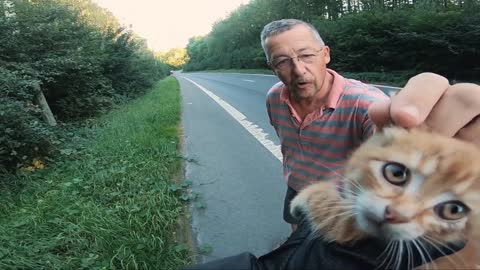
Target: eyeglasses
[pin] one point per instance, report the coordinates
(284, 63)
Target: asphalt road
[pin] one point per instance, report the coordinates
(235, 163)
(238, 178)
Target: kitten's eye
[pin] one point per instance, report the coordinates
(451, 210)
(396, 173)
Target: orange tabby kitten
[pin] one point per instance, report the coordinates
(402, 186)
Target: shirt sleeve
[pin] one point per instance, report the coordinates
(368, 128)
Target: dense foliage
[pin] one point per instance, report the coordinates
(401, 36)
(176, 57)
(78, 55)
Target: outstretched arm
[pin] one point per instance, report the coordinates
(428, 99)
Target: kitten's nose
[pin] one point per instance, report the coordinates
(392, 216)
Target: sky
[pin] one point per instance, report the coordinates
(167, 24)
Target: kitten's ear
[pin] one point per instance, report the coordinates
(386, 136)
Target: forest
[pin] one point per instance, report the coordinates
(379, 40)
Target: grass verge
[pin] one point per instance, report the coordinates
(109, 205)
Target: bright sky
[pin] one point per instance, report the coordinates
(167, 24)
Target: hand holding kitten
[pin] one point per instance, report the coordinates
(429, 100)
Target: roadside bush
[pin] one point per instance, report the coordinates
(81, 59)
(25, 136)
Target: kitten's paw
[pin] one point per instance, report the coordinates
(299, 206)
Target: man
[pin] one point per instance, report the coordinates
(314, 106)
(320, 116)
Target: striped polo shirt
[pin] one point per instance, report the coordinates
(316, 148)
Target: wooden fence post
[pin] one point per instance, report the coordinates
(42, 102)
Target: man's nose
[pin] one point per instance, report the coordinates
(298, 66)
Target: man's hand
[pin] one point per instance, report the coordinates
(428, 99)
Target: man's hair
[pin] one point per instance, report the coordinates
(276, 27)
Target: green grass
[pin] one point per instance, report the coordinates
(108, 205)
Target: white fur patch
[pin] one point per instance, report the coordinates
(429, 166)
(415, 185)
(404, 231)
(415, 159)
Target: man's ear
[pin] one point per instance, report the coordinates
(326, 54)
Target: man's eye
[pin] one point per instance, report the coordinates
(307, 56)
(280, 62)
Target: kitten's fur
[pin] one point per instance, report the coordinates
(425, 171)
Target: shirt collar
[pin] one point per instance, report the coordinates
(334, 95)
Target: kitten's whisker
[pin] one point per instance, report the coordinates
(391, 255)
(420, 251)
(345, 190)
(344, 214)
(436, 243)
(399, 256)
(337, 210)
(454, 256)
(422, 245)
(409, 254)
(342, 202)
(343, 177)
(340, 206)
(386, 255)
(355, 184)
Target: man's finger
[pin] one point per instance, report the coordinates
(411, 106)
(457, 107)
(379, 113)
(471, 132)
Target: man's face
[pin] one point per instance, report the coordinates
(304, 80)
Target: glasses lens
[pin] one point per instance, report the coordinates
(282, 63)
(307, 58)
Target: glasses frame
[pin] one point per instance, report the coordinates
(299, 59)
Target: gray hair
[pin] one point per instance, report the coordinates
(276, 27)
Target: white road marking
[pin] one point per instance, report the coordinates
(253, 129)
(248, 80)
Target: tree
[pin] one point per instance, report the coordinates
(176, 57)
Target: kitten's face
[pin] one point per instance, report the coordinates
(408, 185)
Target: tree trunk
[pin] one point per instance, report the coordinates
(46, 112)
